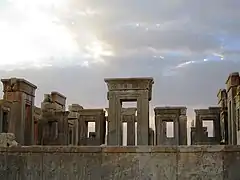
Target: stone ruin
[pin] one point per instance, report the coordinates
(53, 129)
(52, 124)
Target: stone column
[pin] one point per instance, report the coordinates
(232, 83)
(114, 120)
(183, 127)
(222, 102)
(131, 130)
(151, 137)
(82, 131)
(63, 128)
(143, 118)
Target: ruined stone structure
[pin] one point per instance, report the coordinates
(128, 89)
(53, 123)
(63, 140)
(176, 115)
(199, 132)
(94, 138)
(22, 95)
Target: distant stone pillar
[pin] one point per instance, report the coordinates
(22, 94)
(5, 116)
(129, 116)
(222, 102)
(63, 131)
(151, 137)
(232, 83)
(73, 118)
(183, 127)
(143, 118)
(128, 89)
(237, 99)
(82, 131)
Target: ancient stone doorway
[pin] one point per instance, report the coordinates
(128, 90)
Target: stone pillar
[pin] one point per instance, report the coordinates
(73, 119)
(82, 131)
(5, 116)
(22, 93)
(129, 116)
(114, 120)
(143, 118)
(62, 125)
(222, 102)
(183, 127)
(237, 100)
(232, 83)
(151, 137)
(37, 115)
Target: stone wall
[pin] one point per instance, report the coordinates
(109, 163)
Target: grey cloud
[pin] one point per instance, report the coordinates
(195, 26)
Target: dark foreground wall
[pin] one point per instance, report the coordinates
(144, 163)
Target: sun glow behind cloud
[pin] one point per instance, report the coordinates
(38, 38)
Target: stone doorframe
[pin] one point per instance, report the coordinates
(124, 90)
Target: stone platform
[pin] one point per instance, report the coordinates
(120, 163)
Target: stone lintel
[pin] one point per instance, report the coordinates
(89, 112)
(58, 98)
(75, 107)
(129, 111)
(233, 80)
(209, 111)
(121, 84)
(181, 110)
(21, 85)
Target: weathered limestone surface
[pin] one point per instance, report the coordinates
(8, 140)
(120, 163)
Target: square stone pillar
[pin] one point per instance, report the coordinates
(232, 83)
(151, 137)
(222, 102)
(123, 90)
(73, 119)
(37, 115)
(22, 94)
(129, 116)
(143, 118)
(114, 120)
(237, 100)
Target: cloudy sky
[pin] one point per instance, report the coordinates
(188, 47)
